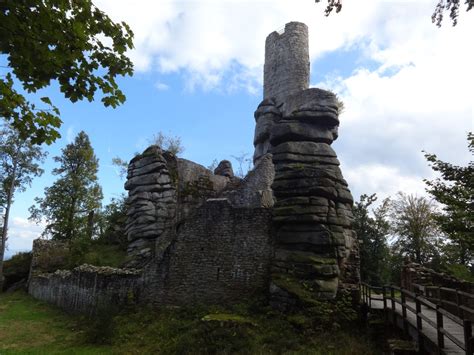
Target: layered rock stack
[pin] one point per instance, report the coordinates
(151, 203)
(265, 117)
(312, 215)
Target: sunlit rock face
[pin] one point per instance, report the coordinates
(316, 251)
(312, 215)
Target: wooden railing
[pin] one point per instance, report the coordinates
(454, 301)
(393, 295)
(369, 293)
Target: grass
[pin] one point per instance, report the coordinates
(104, 255)
(28, 326)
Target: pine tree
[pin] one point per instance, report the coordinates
(70, 204)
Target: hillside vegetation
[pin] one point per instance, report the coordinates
(28, 326)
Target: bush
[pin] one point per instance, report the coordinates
(16, 269)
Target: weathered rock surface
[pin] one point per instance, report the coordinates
(151, 204)
(224, 169)
(312, 215)
(255, 189)
(265, 117)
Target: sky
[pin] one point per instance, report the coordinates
(406, 86)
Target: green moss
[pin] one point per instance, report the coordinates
(173, 172)
(294, 287)
(197, 189)
(308, 258)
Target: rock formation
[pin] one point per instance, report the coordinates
(224, 168)
(312, 214)
(197, 236)
(315, 248)
(152, 204)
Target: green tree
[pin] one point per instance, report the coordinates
(113, 218)
(19, 164)
(454, 189)
(70, 204)
(414, 228)
(372, 228)
(71, 42)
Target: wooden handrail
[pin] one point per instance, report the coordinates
(388, 294)
(451, 290)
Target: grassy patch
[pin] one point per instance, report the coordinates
(104, 255)
(28, 326)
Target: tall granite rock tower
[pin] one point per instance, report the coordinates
(316, 251)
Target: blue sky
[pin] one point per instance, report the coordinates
(406, 84)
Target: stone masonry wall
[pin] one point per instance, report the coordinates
(48, 256)
(413, 273)
(221, 254)
(87, 289)
(286, 69)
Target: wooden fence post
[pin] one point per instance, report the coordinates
(384, 297)
(370, 297)
(392, 295)
(459, 304)
(419, 324)
(439, 326)
(404, 312)
(467, 324)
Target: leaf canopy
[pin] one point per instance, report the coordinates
(68, 41)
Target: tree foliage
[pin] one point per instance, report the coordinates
(71, 42)
(372, 228)
(454, 189)
(414, 228)
(70, 204)
(113, 218)
(19, 164)
(168, 143)
(451, 6)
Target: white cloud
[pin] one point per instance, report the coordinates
(70, 134)
(161, 86)
(418, 97)
(205, 39)
(21, 233)
(424, 104)
(384, 180)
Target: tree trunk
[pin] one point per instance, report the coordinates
(70, 220)
(5, 222)
(90, 225)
